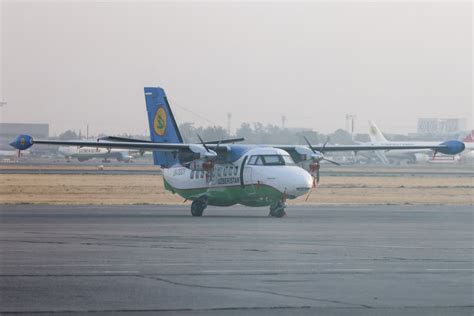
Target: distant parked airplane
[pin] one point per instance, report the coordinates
(467, 156)
(405, 155)
(83, 154)
(12, 155)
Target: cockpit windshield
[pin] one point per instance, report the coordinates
(271, 160)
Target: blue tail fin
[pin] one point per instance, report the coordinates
(163, 127)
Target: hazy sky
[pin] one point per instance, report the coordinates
(73, 63)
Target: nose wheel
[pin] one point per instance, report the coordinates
(198, 206)
(278, 210)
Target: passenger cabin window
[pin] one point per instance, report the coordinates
(271, 160)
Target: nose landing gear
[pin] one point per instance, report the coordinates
(198, 206)
(278, 209)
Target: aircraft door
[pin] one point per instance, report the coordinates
(246, 177)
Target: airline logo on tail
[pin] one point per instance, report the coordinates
(375, 134)
(159, 123)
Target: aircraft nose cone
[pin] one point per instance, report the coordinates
(301, 182)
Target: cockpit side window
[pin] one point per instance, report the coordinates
(271, 160)
(288, 160)
(252, 160)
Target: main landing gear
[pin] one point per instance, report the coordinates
(278, 209)
(198, 206)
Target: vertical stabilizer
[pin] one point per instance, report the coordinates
(375, 134)
(162, 124)
(469, 138)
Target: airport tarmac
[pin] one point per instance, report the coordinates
(149, 259)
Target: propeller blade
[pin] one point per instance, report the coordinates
(313, 187)
(203, 143)
(307, 196)
(218, 144)
(324, 146)
(331, 161)
(309, 144)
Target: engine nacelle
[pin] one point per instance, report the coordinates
(202, 152)
(306, 153)
(201, 165)
(308, 160)
(203, 159)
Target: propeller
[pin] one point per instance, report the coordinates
(203, 143)
(324, 145)
(211, 156)
(320, 153)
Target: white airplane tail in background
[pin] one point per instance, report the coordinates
(469, 138)
(375, 134)
(469, 142)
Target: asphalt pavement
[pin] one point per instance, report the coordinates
(149, 259)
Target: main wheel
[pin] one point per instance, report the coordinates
(278, 210)
(197, 208)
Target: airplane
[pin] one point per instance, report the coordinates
(83, 154)
(406, 155)
(469, 141)
(467, 156)
(223, 173)
(12, 155)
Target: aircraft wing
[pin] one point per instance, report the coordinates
(451, 147)
(23, 142)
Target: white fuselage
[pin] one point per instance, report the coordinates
(288, 179)
(411, 155)
(83, 154)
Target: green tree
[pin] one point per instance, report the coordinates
(68, 135)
